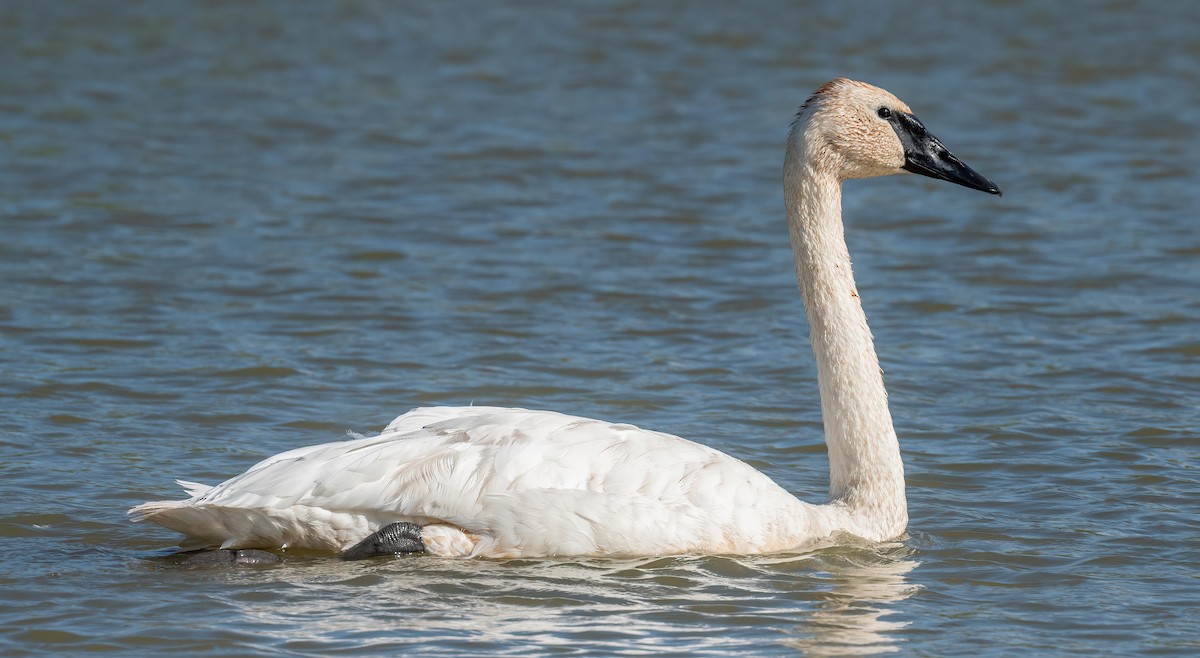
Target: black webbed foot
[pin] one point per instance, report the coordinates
(391, 539)
(227, 556)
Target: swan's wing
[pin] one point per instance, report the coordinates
(434, 462)
(261, 472)
(425, 416)
(543, 482)
(193, 489)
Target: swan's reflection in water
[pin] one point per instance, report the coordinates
(833, 601)
(851, 618)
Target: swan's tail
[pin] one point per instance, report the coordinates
(206, 526)
(202, 525)
(180, 515)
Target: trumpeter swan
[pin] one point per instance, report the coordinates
(495, 482)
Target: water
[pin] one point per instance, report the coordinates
(230, 230)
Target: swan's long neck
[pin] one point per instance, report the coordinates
(866, 474)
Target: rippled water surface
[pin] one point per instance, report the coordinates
(227, 230)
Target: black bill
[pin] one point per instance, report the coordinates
(925, 155)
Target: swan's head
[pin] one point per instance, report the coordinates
(856, 130)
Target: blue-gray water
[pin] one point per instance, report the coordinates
(230, 229)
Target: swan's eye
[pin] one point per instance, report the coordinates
(884, 113)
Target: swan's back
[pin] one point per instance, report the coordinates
(517, 482)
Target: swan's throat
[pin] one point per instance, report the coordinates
(866, 473)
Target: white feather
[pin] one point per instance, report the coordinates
(531, 482)
(193, 489)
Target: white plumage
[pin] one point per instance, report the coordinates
(515, 482)
(494, 482)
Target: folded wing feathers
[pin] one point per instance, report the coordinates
(520, 477)
(193, 489)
